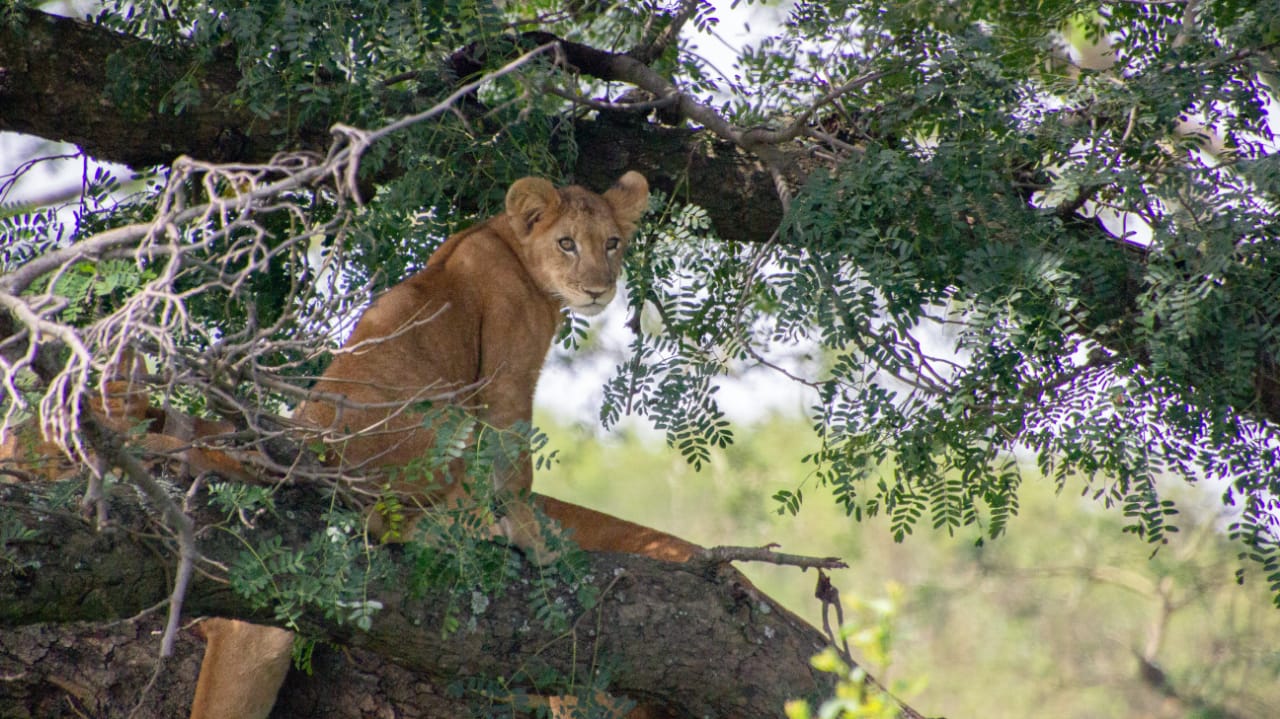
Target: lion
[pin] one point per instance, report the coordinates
(472, 329)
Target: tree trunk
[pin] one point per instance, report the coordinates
(79, 669)
(696, 638)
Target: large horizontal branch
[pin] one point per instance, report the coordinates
(53, 84)
(656, 623)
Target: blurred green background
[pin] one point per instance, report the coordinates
(1066, 616)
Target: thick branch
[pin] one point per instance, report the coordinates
(82, 669)
(54, 84)
(657, 622)
(53, 80)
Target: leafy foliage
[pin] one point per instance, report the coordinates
(943, 269)
(670, 375)
(1027, 238)
(330, 575)
(12, 531)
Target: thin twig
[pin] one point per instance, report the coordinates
(636, 107)
(360, 140)
(719, 555)
(108, 445)
(827, 593)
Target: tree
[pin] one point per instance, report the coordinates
(1001, 234)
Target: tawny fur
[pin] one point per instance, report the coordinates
(471, 329)
(247, 682)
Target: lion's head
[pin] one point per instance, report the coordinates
(573, 240)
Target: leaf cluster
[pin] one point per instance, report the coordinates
(1019, 261)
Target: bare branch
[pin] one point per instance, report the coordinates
(109, 446)
(360, 140)
(637, 107)
(766, 554)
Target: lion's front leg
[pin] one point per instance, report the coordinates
(509, 403)
(519, 523)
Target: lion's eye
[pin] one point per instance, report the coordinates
(612, 243)
(567, 244)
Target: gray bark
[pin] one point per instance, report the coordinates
(697, 639)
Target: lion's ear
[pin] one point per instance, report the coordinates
(629, 198)
(529, 200)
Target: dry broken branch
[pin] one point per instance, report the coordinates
(766, 554)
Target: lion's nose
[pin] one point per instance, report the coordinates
(596, 294)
